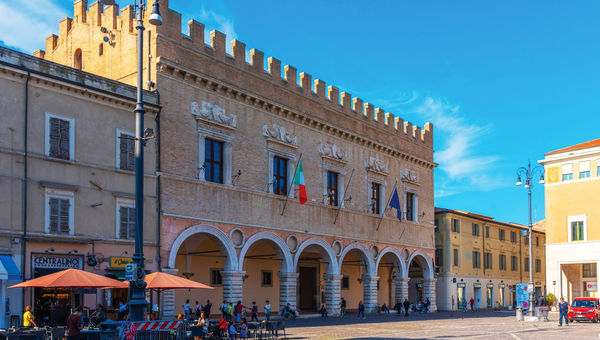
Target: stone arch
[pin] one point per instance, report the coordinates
(399, 259)
(280, 247)
(77, 59)
(326, 252)
(371, 270)
(223, 242)
(424, 261)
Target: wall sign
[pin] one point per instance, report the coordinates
(461, 285)
(477, 285)
(489, 285)
(56, 261)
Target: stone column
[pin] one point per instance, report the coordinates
(167, 299)
(333, 287)
(429, 292)
(287, 289)
(232, 285)
(370, 293)
(401, 290)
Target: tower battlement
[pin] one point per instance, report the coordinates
(103, 20)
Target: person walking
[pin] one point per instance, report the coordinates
(406, 307)
(28, 318)
(323, 311)
(361, 310)
(563, 309)
(464, 304)
(239, 309)
(342, 308)
(472, 302)
(207, 308)
(230, 311)
(197, 309)
(186, 309)
(398, 306)
(74, 325)
(268, 311)
(254, 312)
(225, 315)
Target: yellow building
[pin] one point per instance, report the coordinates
(480, 258)
(572, 217)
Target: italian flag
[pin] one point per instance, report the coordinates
(299, 181)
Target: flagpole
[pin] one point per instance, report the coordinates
(291, 185)
(343, 198)
(386, 206)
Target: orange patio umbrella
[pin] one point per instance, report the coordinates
(72, 278)
(162, 280)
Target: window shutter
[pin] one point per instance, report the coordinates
(131, 226)
(54, 137)
(130, 153)
(64, 216)
(64, 139)
(123, 222)
(584, 166)
(53, 205)
(123, 153)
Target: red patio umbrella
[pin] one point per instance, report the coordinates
(162, 280)
(72, 278)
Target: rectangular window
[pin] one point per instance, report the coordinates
(439, 257)
(410, 206)
(213, 161)
(589, 270)
(476, 259)
(513, 236)
(567, 172)
(332, 188)
(215, 277)
(345, 282)
(502, 262)
(501, 234)
(584, 174)
(475, 229)
(280, 176)
(537, 241)
(584, 169)
(526, 264)
(487, 260)
(567, 177)
(487, 231)
(526, 240)
(455, 225)
(514, 263)
(375, 198)
(59, 137)
(455, 257)
(59, 212)
(267, 278)
(126, 151)
(577, 231)
(126, 220)
(538, 265)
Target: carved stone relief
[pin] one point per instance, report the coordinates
(278, 132)
(332, 151)
(213, 113)
(375, 164)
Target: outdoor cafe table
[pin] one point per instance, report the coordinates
(24, 334)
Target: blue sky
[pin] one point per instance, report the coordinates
(503, 82)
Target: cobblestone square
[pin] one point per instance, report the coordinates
(441, 325)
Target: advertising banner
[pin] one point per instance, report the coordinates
(522, 295)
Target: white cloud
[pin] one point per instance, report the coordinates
(26, 24)
(214, 20)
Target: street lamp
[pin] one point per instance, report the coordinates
(528, 173)
(137, 302)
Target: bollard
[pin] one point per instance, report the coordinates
(519, 314)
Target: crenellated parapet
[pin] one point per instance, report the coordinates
(103, 24)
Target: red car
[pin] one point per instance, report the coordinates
(584, 308)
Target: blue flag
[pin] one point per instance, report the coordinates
(395, 203)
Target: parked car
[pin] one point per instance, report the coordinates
(584, 308)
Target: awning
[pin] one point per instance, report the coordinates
(8, 268)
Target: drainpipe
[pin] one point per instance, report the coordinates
(520, 260)
(483, 245)
(158, 185)
(24, 183)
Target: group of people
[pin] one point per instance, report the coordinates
(399, 307)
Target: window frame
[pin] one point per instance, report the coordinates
(345, 279)
(47, 146)
(592, 265)
(118, 149)
(514, 263)
(375, 208)
(487, 260)
(501, 234)
(455, 225)
(576, 218)
(487, 231)
(476, 256)
(212, 163)
(276, 175)
(220, 136)
(456, 260)
(526, 265)
(538, 265)
(262, 278)
(59, 194)
(475, 229)
(332, 187)
(127, 203)
(502, 262)
(513, 236)
(210, 276)
(411, 214)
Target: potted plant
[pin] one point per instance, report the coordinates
(551, 301)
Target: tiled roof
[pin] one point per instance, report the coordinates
(592, 143)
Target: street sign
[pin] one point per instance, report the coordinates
(130, 271)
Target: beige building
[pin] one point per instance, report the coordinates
(480, 258)
(232, 134)
(572, 219)
(66, 178)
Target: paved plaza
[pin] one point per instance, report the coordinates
(442, 325)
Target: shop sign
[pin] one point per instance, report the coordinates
(461, 285)
(56, 261)
(477, 285)
(119, 262)
(490, 285)
(591, 286)
(501, 285)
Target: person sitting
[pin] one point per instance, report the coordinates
(385, 309)
(99, 315)
(398, 307)
(323, 311)
(288, 309)
(244, 329)
(222, 326)
(122, 311)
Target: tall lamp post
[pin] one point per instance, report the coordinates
(137, 302)
(528, 173)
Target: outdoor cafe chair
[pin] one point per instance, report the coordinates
(281, 327)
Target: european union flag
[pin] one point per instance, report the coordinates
(395, 203)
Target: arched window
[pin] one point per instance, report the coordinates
(101, 49)
(77, 59)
